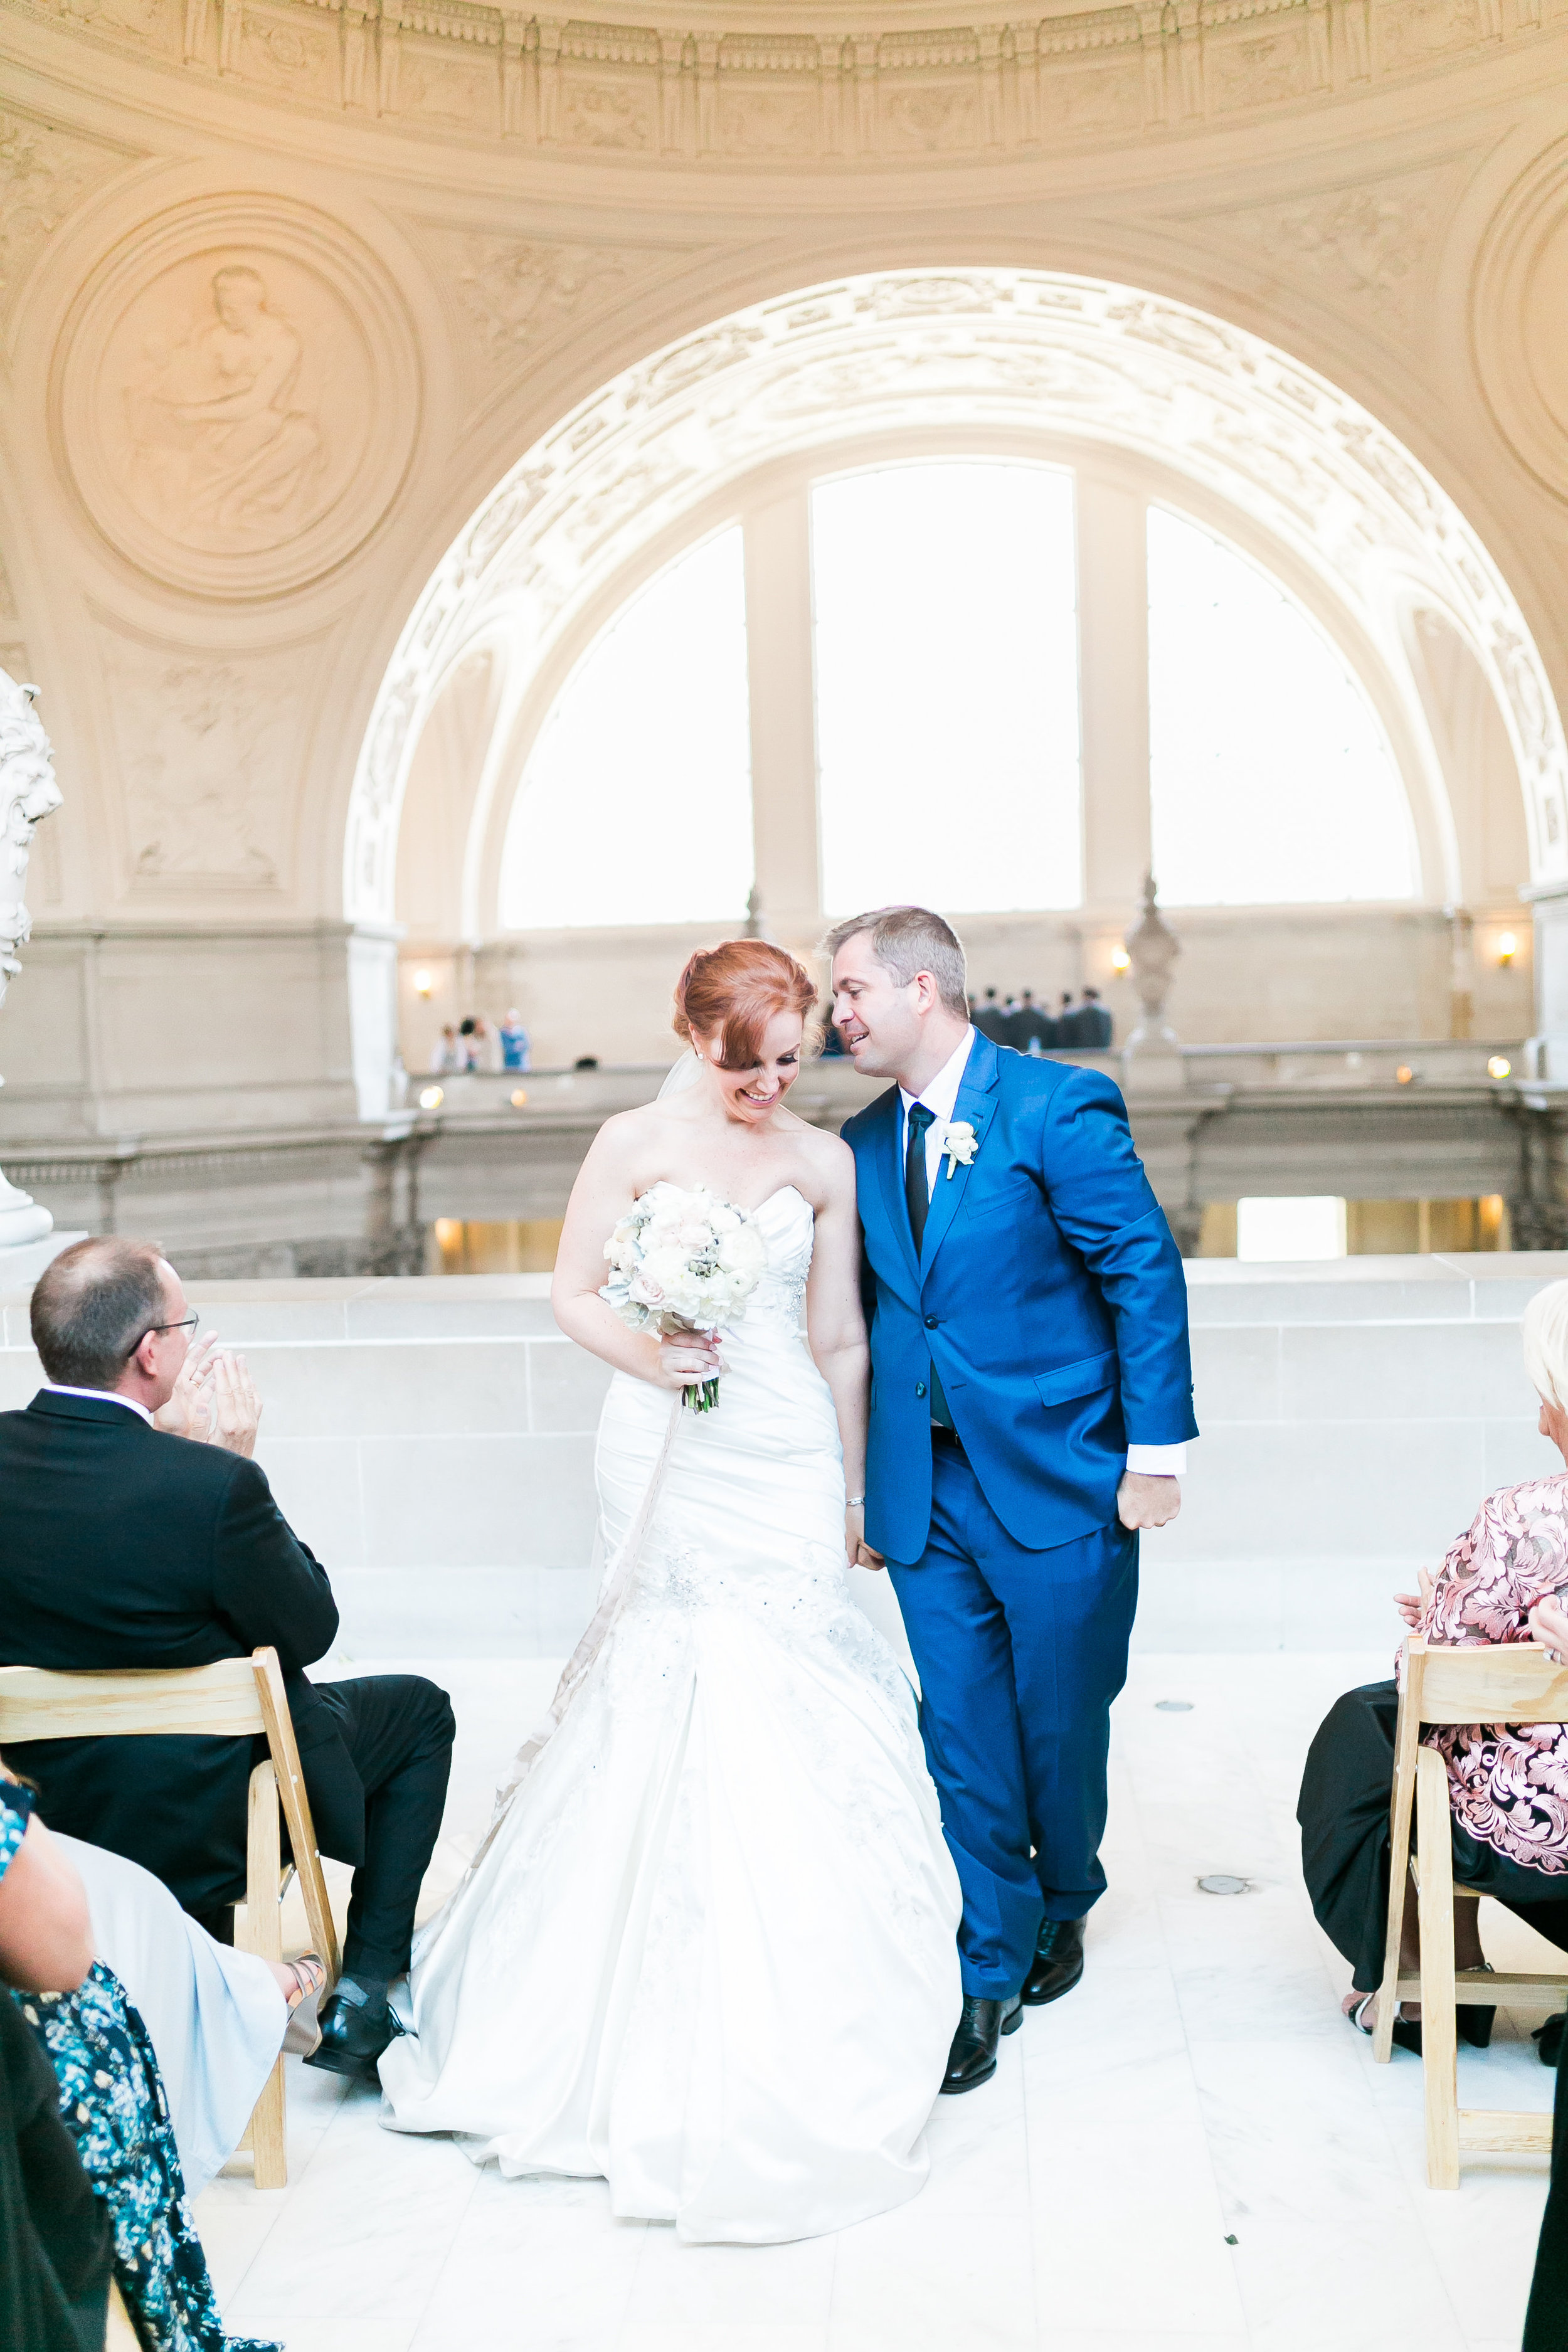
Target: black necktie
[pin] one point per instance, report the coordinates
(916, 1184)
(917, 1192)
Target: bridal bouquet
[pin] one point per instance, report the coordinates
(683, 1261)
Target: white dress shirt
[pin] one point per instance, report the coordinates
(940, 1099)
(102, 1396)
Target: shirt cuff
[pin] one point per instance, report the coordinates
(1157, 1461)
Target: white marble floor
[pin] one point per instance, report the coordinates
(1191, 2151)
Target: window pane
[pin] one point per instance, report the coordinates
(1270, 776)
(1274, 1230)
(637, 803)
(944, 597)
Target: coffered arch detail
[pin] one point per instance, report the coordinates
(1009, 353)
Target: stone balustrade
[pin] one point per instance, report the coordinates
(433, 1440)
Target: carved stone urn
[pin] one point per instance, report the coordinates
(28, 792)
(1152, 1057)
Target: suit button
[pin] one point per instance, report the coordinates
(920, 1388)
(930, 1322)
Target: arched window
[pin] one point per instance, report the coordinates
(1270, 778)
(946, 653)
(637, 803)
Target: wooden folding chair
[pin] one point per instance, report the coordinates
(1511, 1682)
(229, 1699)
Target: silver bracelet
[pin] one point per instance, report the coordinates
(853, 1502)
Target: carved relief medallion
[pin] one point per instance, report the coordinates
(1520, 320)
(238, 398)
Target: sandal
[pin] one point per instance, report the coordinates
(303, 2034)
(1406, 2029)
(1475, 2023)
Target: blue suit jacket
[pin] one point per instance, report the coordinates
(1048, 1292)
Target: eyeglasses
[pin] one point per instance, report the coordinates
(185, 1323)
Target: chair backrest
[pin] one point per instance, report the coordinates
(220, 1699)
(1496, 1682)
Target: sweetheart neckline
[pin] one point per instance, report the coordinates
(762, 1204)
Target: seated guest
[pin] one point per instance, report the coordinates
(110, 2095)
(54, 2232)
(1509, 1824)
(124, 1546)
(216, 2018)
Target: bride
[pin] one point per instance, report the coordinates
(708, 1951)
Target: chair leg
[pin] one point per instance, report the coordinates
(1405, 1752)
(1439, 2039)
(263, 1934)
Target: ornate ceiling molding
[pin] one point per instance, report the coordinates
(716, 85)
(1519, 318)
(1019, 349)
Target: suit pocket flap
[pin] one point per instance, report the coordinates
(1068, 1380)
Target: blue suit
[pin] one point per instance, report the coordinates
(1050, 1297)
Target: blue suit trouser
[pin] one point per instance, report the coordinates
(1019, 1654)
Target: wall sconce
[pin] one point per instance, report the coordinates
(1404, 1075)
(1120, 960)
(424, 984)
(1507, 949)
(432, 1098)
(518, 1097)
(1499, 1066)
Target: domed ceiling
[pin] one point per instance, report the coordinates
(763, 83)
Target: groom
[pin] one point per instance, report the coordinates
(1031, 1392)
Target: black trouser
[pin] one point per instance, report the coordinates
(1343, 1812)
(1546, 2321)
(399, 1731)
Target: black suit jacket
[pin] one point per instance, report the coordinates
(121, 1546)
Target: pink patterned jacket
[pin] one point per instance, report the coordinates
(1508, 1783)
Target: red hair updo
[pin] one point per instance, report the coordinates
(736, 989)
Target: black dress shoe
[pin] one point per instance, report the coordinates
(1058, 1962)
(1548, 2038)
(353, 2038)
(973, 2058)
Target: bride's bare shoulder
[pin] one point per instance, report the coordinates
(627, 1138)
(829, 1158)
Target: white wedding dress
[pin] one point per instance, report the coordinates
(708, 1954)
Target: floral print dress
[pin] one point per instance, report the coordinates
(1508, 1782)
(111, 2098)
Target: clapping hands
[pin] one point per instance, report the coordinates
(214, 1401)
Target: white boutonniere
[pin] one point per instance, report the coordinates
(959, 1143)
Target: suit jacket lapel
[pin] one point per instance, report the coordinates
(977, 1101)
(889, 1169)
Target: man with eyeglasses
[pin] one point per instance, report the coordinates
(136, 1531)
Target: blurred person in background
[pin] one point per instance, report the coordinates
(516, 1051)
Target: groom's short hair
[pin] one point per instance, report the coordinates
(908, 939)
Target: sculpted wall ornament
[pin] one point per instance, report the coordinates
(1370, 243)
(28, 793)
(45, 173)
(1031, 352)
(239, 397)
(208, 748)
(489, 74)
(1519, 319)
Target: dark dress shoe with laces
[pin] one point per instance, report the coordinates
(353, 2039)
(1058, 1962)
(973, 2058)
